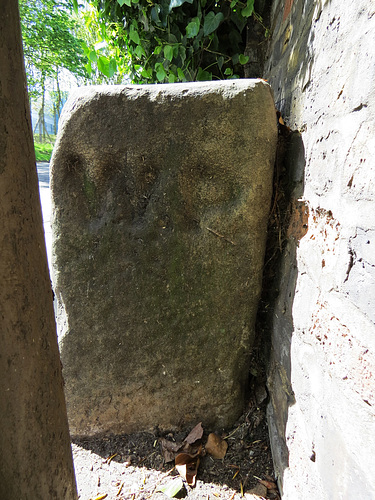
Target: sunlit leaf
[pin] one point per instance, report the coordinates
(88, 68)
(172, 488)
(92, 56)
(177, 3)
(187, 466)
(112, 67)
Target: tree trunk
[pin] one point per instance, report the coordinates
(36, 460)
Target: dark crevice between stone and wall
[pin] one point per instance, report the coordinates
(287, 225)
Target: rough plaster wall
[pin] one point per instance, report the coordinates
(321, 66)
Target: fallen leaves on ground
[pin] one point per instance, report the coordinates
(188, 453)
(215, 446)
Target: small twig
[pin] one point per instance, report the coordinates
(146, 458)
(220, 236)
(120, 489)
(233, 432)
(109, 459)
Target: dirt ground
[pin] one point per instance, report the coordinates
(132, 467)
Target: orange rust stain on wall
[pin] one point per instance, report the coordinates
(287, 8)
(298, 225)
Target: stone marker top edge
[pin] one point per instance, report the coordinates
(228, 88)
(157, 92)
(173, 88)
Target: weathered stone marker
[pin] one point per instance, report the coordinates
(161, 197)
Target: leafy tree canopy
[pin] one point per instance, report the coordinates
(177, 40)
(49, 41)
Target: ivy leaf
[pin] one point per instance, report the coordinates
(134, 37)
(168, 52)
(112, 67)
(181, 75)
(211, 22)
(88, 68)
(146, 73)
(177, 3)
(126, 2)
(182, 52)
(192, 29)
(203, 75)
(160, 72)
(92, 56)
(220, 62)
(105, 66)
(139, 52)
(228, 71)
(249, 9)
(155, 14)
(243, 59)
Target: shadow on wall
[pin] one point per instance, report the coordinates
(288, 69)
(288, 224)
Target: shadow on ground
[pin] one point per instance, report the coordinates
(135, 463)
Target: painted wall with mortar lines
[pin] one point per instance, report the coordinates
(321, 66)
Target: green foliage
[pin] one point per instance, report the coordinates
(49, 42)
(43, 151)
(177, 40)
(101, 43)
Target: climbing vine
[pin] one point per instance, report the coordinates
(177, 40)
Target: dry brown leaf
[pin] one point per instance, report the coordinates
(195, 434)
(270, 485)
(169, 449)
(260, 490)
(187, 466)
(216, 446)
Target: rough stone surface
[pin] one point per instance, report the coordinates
(321, 67)
(161, 196)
